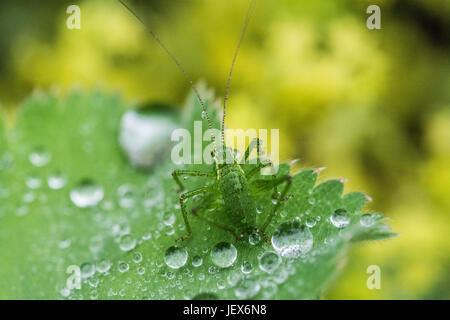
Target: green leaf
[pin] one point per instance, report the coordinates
(42, 231)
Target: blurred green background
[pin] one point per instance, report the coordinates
(372, 106)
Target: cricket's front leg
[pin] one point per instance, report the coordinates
(177, 173)
(183, 198)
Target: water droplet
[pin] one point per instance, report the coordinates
(197, 261)
(247, 288)
(87, 270)
(137, 257)
(259, 209)
(291, 239)
(310, 222)
(221, 284)
(340, 218)
(39, 157)
(65, 292)
(64, 244)
(86, 194)
(33, 182)
(28, 197)
(223, 254)
(311, 201)
(254, 238)
(123, 266)
(147, 235)
(127, 196)
(269, 261)
(168, 218)
(169, 230)
(103, 266)
(141, 270)
(144, 135)
(246, 267)
(367, 219)
(56, 181)
(127, 242)
(176, 257)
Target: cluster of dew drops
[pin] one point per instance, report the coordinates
(290, 241)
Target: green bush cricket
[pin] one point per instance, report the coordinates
(230, 182)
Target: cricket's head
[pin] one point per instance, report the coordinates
(223, 155)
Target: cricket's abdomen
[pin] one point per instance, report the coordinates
(237, 197)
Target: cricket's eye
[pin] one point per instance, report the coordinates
(212, 153)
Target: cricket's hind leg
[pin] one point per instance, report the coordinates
(177, 173)
(183, 198)
(220, 226)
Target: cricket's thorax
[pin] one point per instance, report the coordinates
(237, 197)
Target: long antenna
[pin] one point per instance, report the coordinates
(161, 44)
(227, 91)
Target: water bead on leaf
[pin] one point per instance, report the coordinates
(246, 267)
(86, 194)
(367, 219)
(56, 181)
(340, 218)
(145, 134)
(223, 254)
(292, 239)
(269, 261)
(176, 257)
(197, 261)
(39, 157)
(127, 242)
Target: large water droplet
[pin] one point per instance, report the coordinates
(291, 239)
(223, 254)
(176, 257)
(86, 194)
(87, 270)
(247, 288)
(367, 219)
(39, 157)
(269, 261)
(127, 242)
(145, 135)
(340, 218)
